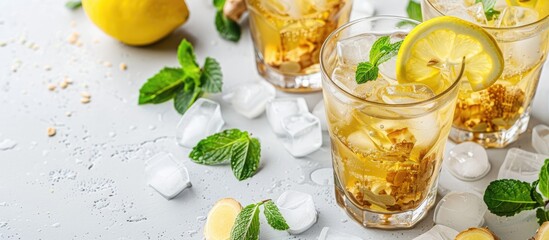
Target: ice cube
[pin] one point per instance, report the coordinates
(540, 139)
(249, 98)
(521, 165)
(280, 108)
(405, 93)
(438, 232)
(512, 16)
(468, 161)
(202, 119)
(468, 206)
(320, 112)
(303, 134)
(365, 7)
(330, 234)
(519, 226)
(167, 175)
(344, 77)
(354, 50)
(477, 12)
(298, 209)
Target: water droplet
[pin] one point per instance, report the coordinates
(7, 144)
(323, 176)
(56, 225)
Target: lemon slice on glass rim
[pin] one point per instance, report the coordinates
(434, 51)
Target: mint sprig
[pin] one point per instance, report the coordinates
(488, 6)
(232, 145)
(184, 84)
(507, 197)
(73, 5)
(246, 226)
(227, 28)
(414, 10)
(382, 50)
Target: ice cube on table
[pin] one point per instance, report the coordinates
(303, 134)
(519, 226)
(320, 112)
(405, 93)
(202, 119)
(167, 175)
(330, 234)
(468, 161)
(364, 7)
(438, 232)
(460, 211)
(298, 209)
(280, 108)
(512, 16)
(250, 98)
(540, 139)
(521, 165)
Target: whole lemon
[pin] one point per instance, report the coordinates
(137, 22)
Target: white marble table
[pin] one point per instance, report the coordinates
(87, 182)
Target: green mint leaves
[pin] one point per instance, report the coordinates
(184, 84)
(507, 197)
(232, 145)
(488, 6)
(246, 226)
(73, 5)
(414, 10)
(381, 51)
(227, 28)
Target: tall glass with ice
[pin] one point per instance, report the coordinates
(287, 36)
(496, 116)
(387, 138)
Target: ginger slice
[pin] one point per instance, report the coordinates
(221, 219)
(476, 234)
(234, 9)
(543, 232)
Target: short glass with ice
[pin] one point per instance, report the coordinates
(496, 116)
(387, 138)
(287, 36)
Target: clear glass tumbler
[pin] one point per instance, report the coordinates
(495, 117)
(387, 138)
(287, 36)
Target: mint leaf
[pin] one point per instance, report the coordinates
(227, 28)
(73, 4)
(231, 145)
(365, 72)
(187, 60)
(185, 98)
(211, 77)
(535, 194)
(488, 6)
(414, 10)
(219, 4)
(274, 217)
(162, 86)
(246, 226)
(543, 216)
(507, 197)
(544, 179)
(382, 50)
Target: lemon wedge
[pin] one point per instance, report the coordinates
(221, 219)
(433, 53)
(541, 6)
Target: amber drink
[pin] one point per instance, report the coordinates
(287, 36)
(387, 138)
(496, 116)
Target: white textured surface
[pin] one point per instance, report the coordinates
(88, 181)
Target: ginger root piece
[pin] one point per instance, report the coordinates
(234, 9)
(221, 219)
(543, 232)
(476, 234)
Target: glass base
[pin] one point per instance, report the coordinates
(493, 139)
(383, 220)
(289, 82)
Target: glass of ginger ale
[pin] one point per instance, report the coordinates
(496, 116)
(388, 134)
(287, 36)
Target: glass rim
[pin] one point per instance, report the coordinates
(455, 84)
(539, 21)
(306, 16)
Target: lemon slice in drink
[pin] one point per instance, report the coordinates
(433, 53)
(541, 6)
